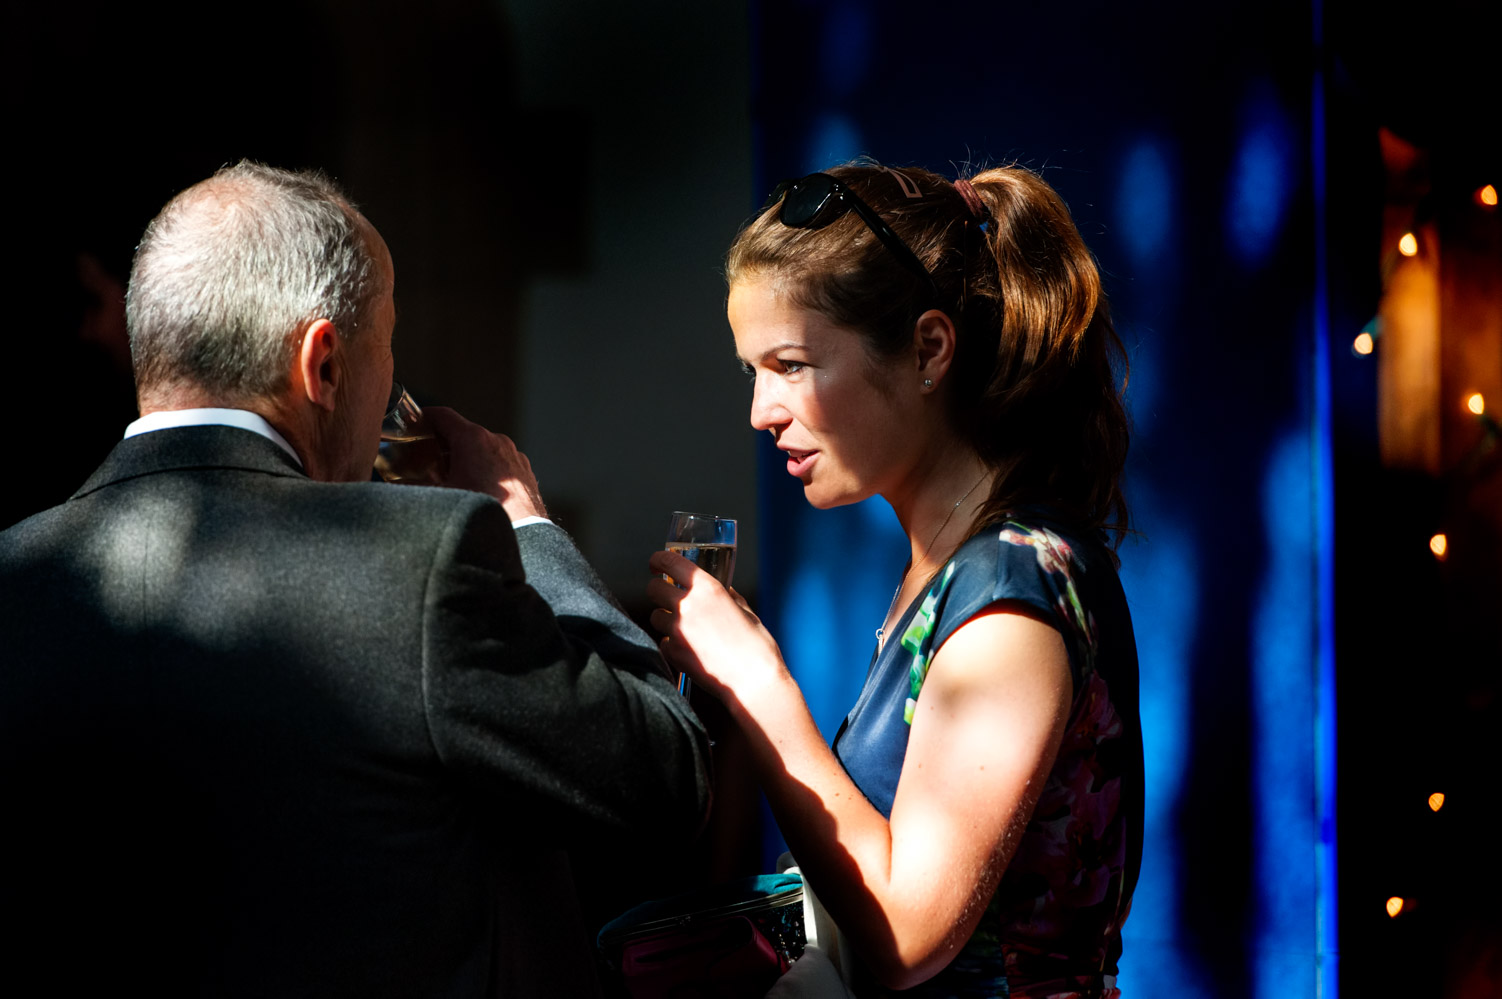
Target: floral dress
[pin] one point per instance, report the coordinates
(1053, 928)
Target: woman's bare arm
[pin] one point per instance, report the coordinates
(909, 892)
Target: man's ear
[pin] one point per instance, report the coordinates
(934, 339)
(319, 364)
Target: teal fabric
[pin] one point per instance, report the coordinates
(702, 900)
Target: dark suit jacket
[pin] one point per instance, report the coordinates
(262, 735)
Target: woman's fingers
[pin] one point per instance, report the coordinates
(665, 594)
(663, 621)
(675, 652)
(672, 564)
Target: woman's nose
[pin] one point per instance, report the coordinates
(766, 412)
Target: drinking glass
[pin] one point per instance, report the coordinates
(708, 542)
(409, 453)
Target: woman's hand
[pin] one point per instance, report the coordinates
(710, 633)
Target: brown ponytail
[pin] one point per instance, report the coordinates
(1049, 416)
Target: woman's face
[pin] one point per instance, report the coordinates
(847, 421)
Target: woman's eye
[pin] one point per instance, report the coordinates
(792, 367)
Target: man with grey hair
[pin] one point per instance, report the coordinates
(270, 728)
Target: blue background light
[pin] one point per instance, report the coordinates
(1198, 201)
(1144, 203)
(1263, 177)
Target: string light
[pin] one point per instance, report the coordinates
(1487, 196)
(1436, 801)
(1475, 403)
(1394, 906)
(1408, 245)
(1363, 344)
(1439, 544)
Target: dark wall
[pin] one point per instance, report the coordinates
(557, 184)
(111, 109)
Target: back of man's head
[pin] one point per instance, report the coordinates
(232, 271)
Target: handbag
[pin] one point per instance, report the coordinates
(820, 972)
(729, 941)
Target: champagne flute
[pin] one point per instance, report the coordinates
(708, 542)
(409, 452)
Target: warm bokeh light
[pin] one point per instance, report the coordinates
(1487, 196)
(1475, 403)
(1363, 344)
(1439, 544)
(1436, 801)
(1408, 245)
(1394, 906)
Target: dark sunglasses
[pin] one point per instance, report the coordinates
(815, 201)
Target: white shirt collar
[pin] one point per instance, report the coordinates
(244, 419)
(166, 419)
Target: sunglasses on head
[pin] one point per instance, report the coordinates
(815, 201)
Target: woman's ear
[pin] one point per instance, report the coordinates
(934, 338)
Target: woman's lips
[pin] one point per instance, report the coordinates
(799, 462)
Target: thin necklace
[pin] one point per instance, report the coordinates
(927, 550)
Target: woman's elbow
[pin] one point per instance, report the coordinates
(899, 968)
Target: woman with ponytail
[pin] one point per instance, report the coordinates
(976, 828)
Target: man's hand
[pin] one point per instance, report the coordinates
(487, 463)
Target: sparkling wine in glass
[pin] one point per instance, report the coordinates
(708, 542)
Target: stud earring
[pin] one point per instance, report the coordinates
(928, 383)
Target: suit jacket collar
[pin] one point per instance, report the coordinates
(200, 447)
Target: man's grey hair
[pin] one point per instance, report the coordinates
(231, 272)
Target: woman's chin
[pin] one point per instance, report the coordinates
(828, 499)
